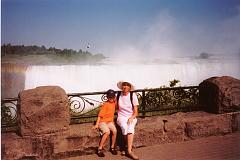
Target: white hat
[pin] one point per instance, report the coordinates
(119, 85)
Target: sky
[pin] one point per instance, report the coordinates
(120, 28)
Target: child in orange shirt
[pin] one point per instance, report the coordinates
(105, 122)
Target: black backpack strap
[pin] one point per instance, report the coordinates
(131, 98)
(118, 95)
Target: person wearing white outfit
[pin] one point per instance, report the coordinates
(127, 113)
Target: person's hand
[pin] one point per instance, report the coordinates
(95, 127)
(130, 120)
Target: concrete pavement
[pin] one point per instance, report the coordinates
(225, 147)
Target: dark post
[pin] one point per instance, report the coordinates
(143, 103)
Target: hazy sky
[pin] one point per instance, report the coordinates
(153, 28)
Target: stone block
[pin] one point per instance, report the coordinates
(235, 121)
(16, 147)
(80, 141)
(158, 130)
(220, 94)
(43, 110)
(208, 125)
(149, 131)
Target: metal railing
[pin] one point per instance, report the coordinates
(9, 114)
(158, 101)
(84, 107)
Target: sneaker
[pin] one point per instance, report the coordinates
(132, 156)
(100, 153)
(123, 153)
(113, 151)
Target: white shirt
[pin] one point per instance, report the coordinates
(125, 106)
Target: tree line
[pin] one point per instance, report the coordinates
(60, 55)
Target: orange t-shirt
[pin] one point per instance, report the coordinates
(107, 112)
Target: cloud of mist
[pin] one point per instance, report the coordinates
(228, 36)
(167, 37)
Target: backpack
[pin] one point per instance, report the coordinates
(131, 98)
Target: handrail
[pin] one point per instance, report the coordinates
(152, 101)
(84, 107)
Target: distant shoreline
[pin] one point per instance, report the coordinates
(36, 60)
(35, 55)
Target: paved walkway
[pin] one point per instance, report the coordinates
(225, 147)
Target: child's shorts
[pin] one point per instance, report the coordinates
(107, 127)
(126, 128)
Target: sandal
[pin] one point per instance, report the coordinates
(100, 153)
(113, 151)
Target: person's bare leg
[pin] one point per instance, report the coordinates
(129, 142)
(103, 140)
(114, 136)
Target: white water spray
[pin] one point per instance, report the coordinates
(91, 78)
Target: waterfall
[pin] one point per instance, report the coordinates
(90, 78)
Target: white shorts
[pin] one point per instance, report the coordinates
(126, 128)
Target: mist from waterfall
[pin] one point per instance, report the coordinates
(91, 78)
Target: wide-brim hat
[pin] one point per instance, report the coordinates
(119, 85)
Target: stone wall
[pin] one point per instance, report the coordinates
(153, 131)
(81, 139)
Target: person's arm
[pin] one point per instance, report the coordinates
(134, 115)
(116, 106)
(135, 109)
(97, 123)
(100, 114)
(135, 112)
